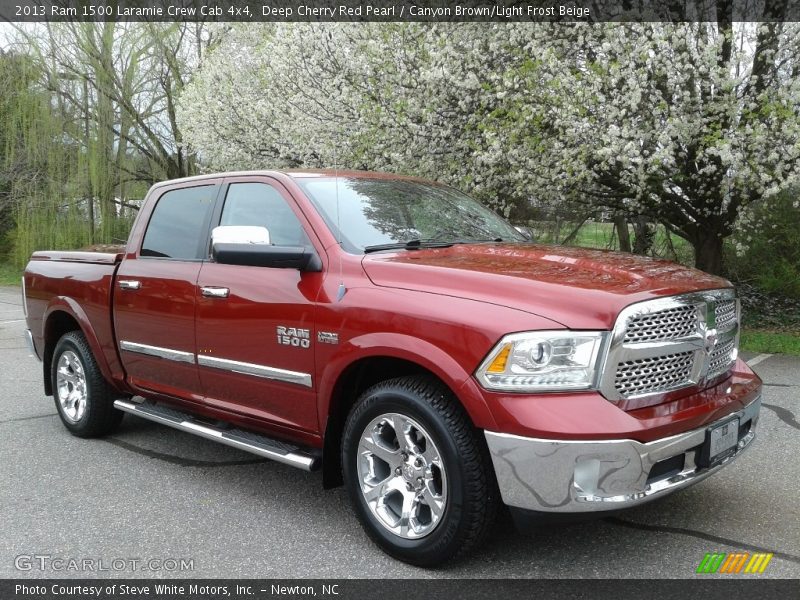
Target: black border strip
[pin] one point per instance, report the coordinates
(710, 588)
(434, 11)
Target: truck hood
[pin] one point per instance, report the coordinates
(576, 287)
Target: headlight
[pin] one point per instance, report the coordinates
(543, 361)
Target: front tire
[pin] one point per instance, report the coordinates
(84, 400)
(417, 472)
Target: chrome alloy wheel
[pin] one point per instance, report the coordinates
(71, 386)
(402, 476)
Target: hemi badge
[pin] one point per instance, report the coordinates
(326, 337)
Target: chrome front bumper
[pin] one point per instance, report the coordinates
(583, 476)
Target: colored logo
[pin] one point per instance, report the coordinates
(735, 562)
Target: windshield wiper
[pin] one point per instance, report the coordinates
(415, 244)
(478, 240)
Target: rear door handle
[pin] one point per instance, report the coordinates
(129, 284)
(215, 292)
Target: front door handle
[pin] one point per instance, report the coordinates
(215, 292)
(129, 284)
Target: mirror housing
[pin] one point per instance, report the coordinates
(249, 246)
(264, 255)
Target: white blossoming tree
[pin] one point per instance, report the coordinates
(682, 124)
(402, 97)
(686, 124)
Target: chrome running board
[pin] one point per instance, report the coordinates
(237, 438)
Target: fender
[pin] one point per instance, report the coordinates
(73, 309)
(412, 349)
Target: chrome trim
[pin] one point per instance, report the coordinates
(31, 345)
(255, 370)
(402, 476)
(129, 284)
(158, 352)
(569, 476)
(24, 299)
(215, 292)
(70, 387)
(327, 337)
(228, 437)
(620, 351)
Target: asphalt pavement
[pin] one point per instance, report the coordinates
(155, 502)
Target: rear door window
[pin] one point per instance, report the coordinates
(179, 224)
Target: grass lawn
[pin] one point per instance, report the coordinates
(594, 234)
(9, 274)
(770, 342)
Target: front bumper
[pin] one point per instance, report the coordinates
(582, 476)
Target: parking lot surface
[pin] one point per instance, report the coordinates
(149, 494)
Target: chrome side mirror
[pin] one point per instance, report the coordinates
(239, 234)
(250, 246)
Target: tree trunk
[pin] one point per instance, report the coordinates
(624, 236)
(708, 253)
(645, 235)
(106, 119)
(87, 133)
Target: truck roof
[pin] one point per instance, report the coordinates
(298, 174)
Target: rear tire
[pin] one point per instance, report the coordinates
(84, 400)
(417, 472)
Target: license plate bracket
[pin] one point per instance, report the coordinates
(720, 443)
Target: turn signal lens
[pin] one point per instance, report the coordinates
(499, 363)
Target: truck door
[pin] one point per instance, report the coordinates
(155, 292)
(255, 327)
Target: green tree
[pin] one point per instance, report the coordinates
(110, 130)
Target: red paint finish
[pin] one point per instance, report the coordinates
(589, 416)
(448, 336)
(577, 287)
(243, 327)
(442, 309)
(78, 285)
(160, 313)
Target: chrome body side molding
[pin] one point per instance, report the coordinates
(255, 370)
(223, 364)
(166, 353)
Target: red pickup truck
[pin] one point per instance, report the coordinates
(404, 339)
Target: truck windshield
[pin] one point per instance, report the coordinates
(383, 212)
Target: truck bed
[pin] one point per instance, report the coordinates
(82, 282)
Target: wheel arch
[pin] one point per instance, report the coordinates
(62, 316)
(378, 357)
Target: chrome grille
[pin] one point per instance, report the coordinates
(725, 313)
(666, 344)
(722, 357)
(668, 324)
(658, 374)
